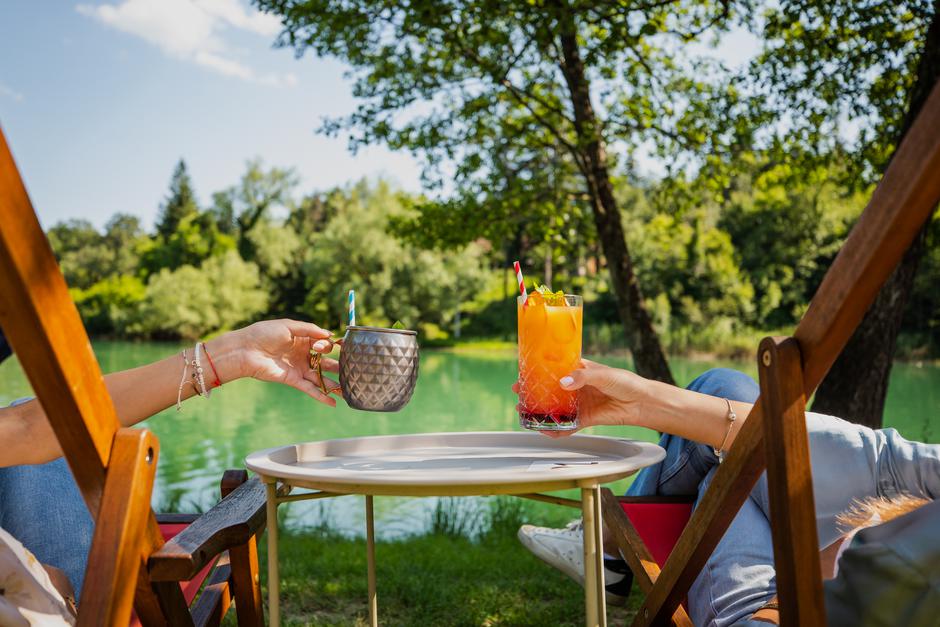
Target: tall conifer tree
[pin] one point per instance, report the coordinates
(180, 203)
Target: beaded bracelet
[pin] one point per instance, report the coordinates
(720, 451)
(179, 395)
(200, 384)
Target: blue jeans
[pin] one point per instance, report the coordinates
(849, 462)
(41, 507)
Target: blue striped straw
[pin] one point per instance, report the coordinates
(352, 308)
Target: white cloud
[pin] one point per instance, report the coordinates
(234, 13)
(9, 92)
(192, 30)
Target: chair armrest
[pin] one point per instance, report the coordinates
(233, 521)
(176, 519)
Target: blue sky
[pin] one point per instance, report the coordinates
(100, 99)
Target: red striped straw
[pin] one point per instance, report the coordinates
(525, 296)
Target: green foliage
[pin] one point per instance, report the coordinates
(920, 331)
(482, 83)
(276, 248)
(455, 518)
(827, 66)
(393, 280)
(241, 207)
(180, 204)
(513, 105)
(110, 306)
(85, 256)
(196, 238)
(787, 227)
(719, 271)
(692, 265)
(191, 302)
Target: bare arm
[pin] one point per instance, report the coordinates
(611, 396)
(275, 350)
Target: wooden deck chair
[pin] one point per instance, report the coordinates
(130, 563)
(774, 437)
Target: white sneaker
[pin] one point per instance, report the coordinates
(564, 549)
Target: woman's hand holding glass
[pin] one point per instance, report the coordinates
(612, 396)
(606, 396)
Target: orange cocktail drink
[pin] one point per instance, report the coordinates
(549, 349)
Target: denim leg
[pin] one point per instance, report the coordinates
(852, 462)
(40, 505)
(849, 462)
(739, 576)
(687, 463)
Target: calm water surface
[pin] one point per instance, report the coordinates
(455, 392)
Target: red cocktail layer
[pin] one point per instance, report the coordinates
(548, 419)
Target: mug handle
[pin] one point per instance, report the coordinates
(315, 359)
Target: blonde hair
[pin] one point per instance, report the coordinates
(875, 510)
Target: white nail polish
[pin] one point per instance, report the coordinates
(566, 381)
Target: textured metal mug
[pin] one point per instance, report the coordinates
(378, 368)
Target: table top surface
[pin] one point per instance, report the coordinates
(454, 463)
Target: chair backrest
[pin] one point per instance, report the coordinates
(43, 326)
(774, 437)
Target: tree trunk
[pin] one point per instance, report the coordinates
(548, 266)
(857, 384)
(648, 355)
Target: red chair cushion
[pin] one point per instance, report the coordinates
(659, 524)
(191, 587)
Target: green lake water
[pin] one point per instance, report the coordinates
(456, 391)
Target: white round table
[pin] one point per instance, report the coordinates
(453, 464)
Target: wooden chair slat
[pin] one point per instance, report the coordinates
(730, 486)
(147, 604)
(114, 558)
(43, 326)
(216, 597)
(790, 484)
(246, 587)
(633, 549)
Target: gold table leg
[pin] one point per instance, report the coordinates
(274, 584)
(590, 557)
(370, 561)
(599, 561)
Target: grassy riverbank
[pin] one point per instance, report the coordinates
(468, 569)
(427, 580)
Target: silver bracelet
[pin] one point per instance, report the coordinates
(200, 380)
(720, 451)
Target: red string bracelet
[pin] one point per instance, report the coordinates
(218, 380)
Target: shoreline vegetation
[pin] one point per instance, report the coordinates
(716, 277)
(742, 349)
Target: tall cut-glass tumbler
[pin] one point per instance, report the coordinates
(549, 349)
